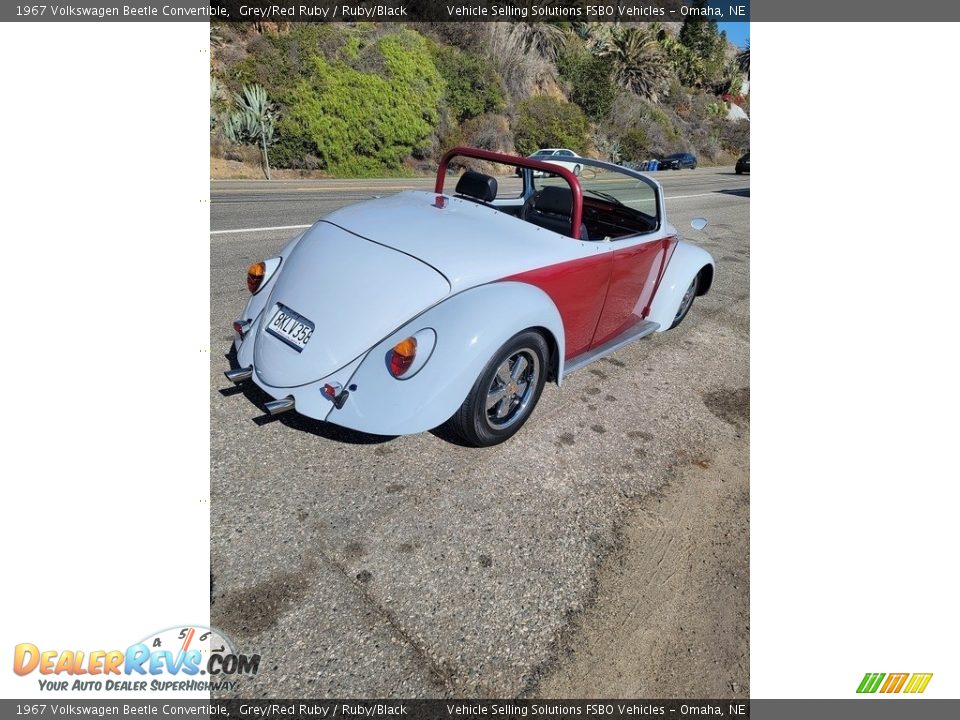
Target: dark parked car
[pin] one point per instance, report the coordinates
(678, 161)
(743, 164)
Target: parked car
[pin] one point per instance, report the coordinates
(399, 314)
(559, 156)
(678, 161)
(743, 164)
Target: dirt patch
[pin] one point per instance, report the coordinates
(250, 610)
(730, 405)
(672, 614)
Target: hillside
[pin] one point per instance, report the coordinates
(369, 99)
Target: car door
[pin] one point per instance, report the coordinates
(637, 267)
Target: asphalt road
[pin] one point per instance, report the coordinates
(361, 566)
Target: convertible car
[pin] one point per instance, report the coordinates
(402, 313)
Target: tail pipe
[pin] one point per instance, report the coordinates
(275, 407)
(239, 375)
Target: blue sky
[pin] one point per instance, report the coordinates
(737, 32)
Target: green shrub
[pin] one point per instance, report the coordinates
(489, 132)
(635, 145)
(591, 82)
(547, 122)
(364, 114)
(473, 86)
(734, 137)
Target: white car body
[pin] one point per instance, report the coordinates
(562, 157)
(460, 276)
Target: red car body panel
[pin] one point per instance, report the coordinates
(637, 270)
(578, 288)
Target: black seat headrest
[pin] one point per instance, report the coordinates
(557, 200)
(477, 185)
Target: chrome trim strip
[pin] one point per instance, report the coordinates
(640, 330)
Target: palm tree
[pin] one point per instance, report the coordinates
(743, 60)
(546, 39)
(638, 65)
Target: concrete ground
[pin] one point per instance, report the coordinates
(603, 551)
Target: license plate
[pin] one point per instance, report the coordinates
(291, 327)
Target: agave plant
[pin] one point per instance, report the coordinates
(216, 91)
(254, 122)
(216, 35)
(716, 109)
(609, 146)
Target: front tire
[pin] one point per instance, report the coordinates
(686, 302)
(505, 393)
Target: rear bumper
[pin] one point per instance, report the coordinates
(311, 399)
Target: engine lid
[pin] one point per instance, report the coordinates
(352, 291)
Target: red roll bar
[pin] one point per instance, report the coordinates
(576, 215)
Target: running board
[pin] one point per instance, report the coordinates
(641, 330)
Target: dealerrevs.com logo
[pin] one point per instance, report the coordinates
(894, 683)
(183, 659)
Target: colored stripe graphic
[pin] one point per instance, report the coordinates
(915, 683)
(870, 682)
(918, 682)
(894, 682)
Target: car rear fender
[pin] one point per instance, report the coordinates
(685, 263)
(256, 303)
(470, 327)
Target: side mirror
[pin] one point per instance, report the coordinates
(698, 223)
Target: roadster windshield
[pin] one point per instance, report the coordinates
(594, 201)
(606, 186)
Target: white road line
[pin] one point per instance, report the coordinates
(260, 229)
(681, 197)
(301, 227)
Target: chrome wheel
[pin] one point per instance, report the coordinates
(505, 392)
(685, 302)
(512, 388)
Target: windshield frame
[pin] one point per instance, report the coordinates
(527, 166)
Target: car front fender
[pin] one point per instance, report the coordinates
(685, 263)
(470, 327)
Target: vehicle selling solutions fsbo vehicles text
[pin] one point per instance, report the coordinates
(554, 13)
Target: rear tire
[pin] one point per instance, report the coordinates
(505, 393)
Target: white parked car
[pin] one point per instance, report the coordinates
(402, 313)
(559, 156)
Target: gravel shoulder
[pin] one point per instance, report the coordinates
(671, 616)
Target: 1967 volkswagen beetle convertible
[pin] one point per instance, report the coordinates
(402, 313)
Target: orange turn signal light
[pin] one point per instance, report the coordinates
(402, 356)
(255, 275)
